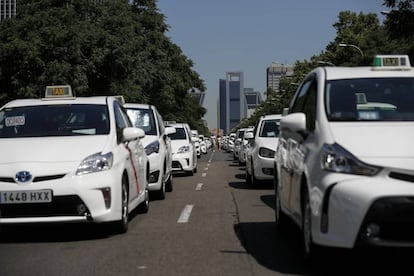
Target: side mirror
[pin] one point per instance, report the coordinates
(248, 135)
(169, 130)
(285, 111)
(132, 133)
(295, 122)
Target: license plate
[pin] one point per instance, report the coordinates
(18, 197)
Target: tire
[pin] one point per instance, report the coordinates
(160, 194)
(195, 170)
(121, 226)
(311, 250)
(253, 180)
(248, 178)
(280, 217)
(169, 183)
(144, 206)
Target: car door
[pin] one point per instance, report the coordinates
(295, 147)
(135, 164)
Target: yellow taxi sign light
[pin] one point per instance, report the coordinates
(392, 62)
(58, 91)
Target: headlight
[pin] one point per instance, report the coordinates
(153, 147)
(265, 152)
(184, 149)
(95, 163)
(337, 159)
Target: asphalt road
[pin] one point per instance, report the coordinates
(212, 223)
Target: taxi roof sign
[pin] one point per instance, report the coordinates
(58, 91)
(392, 62)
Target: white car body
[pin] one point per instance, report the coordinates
(196, 141)
(237, 143)
(345, 157)
(157, 145)
(183, 149)
(57, 166)
(244, 147)
(260, 157)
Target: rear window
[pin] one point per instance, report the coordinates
(376, 99)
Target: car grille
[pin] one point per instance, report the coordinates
(402, 176)
(60, 206)
(36, 179)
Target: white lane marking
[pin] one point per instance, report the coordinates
(185, 214)
(203, 174)
(206, 169)
(199, 186)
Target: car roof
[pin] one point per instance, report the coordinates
(272, 116)
(334, 73)
(137, 105)
(100, 100)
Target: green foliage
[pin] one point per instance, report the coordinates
(115, 48)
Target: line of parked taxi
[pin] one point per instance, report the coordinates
(86, 159)
(342, 166)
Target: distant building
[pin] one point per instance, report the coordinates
(274, 72)
(232, 103)
(7, 9)
(253, 100)
(197, 95)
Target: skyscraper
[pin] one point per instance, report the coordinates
(232, 102)
(7, 9)
(253, 100)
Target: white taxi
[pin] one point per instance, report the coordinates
(183, 149)
(157, 146)
(261, 154)
(68, 159)
(345, 160)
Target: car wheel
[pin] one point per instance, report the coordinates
(160, 194)
(280, 217)
(169, 183)
(311, 250)
(144, 206)
(195, 169)
(253, 179)
(248, 177)
(121, 226)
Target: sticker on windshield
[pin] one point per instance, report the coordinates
(15, 121)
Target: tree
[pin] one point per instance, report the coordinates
(118, 47)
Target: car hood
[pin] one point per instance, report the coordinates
(267, 142)
(176, 144)
(387, 144)
(48, 154)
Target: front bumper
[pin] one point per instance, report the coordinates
(263, 168)
(93, 197)
(182, 162)
(359, 210)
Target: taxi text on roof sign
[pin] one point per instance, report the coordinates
(58, 91)
(392, 62)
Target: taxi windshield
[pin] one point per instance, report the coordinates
(270, 128)
(54, 120)
(143, 118)
(376, 99)
(179, 134)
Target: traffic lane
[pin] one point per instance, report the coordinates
(282, 251)
(207, 244)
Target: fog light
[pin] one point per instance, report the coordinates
(267, 171)
(106, 192)
(81, 209)
(372, 231)
(153, 177)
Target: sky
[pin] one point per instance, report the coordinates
(221, 36)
